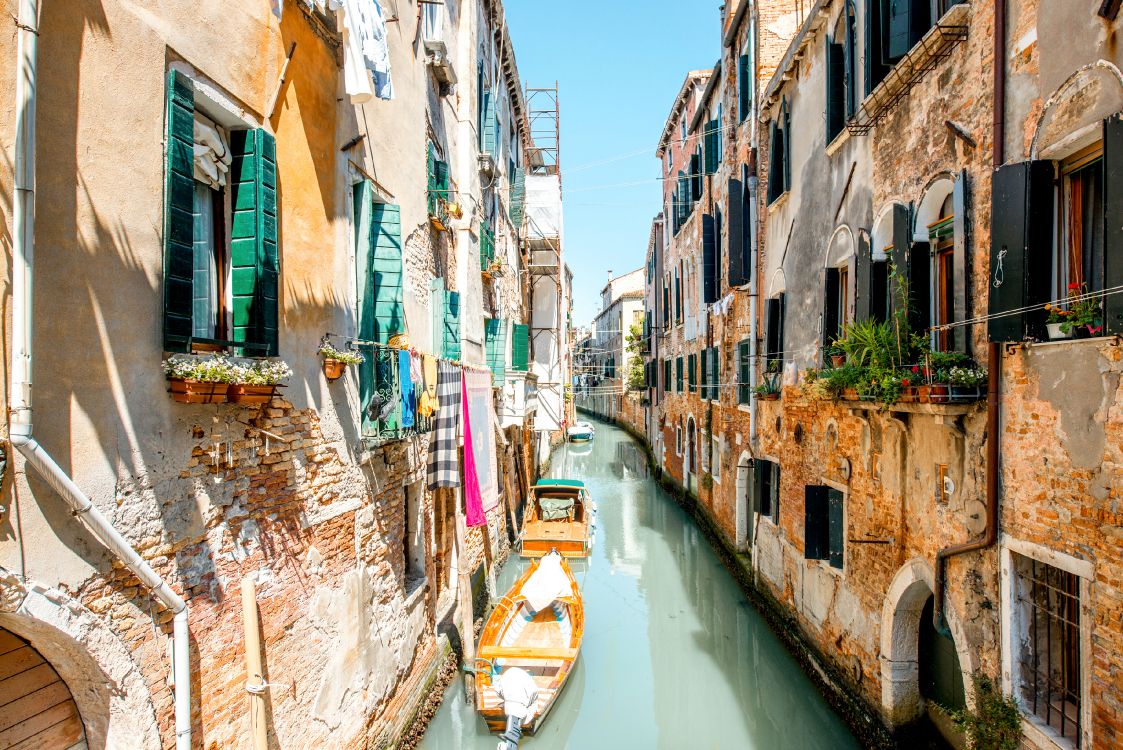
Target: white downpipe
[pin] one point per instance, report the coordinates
(20, 395)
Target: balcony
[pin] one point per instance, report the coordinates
(381, 394)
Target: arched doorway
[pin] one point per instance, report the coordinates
(939, 676)
(36, 707)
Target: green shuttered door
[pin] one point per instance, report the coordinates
(179, 187)
(386, 270)
(520, 347)
(495, 338)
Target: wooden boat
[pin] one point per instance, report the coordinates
(560, 516)
(544, 643)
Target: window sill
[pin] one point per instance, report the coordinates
(1063, 342)
(745, 408)
(1044, 736)
(838, 142)
(777, 204)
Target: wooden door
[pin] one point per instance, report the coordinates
(36, 707)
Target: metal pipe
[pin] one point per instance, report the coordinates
(990, 535)
(20, 402)
(999, 134)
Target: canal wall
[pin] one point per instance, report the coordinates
(844, 695)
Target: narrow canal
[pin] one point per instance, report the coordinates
(674, 656)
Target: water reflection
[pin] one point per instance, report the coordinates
(674, 656)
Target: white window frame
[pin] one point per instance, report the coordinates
(1034, 729)
(715, 458)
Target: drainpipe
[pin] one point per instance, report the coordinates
(755, 284)
(20, 426)
(994, 351)
(990, 536)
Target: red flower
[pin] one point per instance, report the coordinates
(916, 368)
(905, 382)
(1074, 285)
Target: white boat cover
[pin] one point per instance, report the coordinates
(518, 691)
(548, 583)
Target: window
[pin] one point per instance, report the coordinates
(704, 389)
(438, 184)
(836, 89)
(1047, 652)
(495, 344)
(710, 259)
(712, 140)
(779, 154)
(823, 524)
(678, 293)
(1078, 258)
(678, 374)
(766, 488)
(774, 333)
(666, 376)
(221, 265)
(836, 304)
(413, 538)
(678, 441)
(941, 241)
(692, 372)
(520, 347)
(744, 394)
(446, 320)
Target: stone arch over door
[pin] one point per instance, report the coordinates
(905, 600)
(39, 710)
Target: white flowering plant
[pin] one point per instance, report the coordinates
(218, 368)
(327, 351)
(967, 376)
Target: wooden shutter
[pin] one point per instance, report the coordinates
(830, 308)
(713, 146)
(782, 311)
(744, 91)
(667, 388)
(254, 276)
(816, 516)
(1021, 248)
(715, 374)
(743, 374)
(179, 188)
(899, 40)
(495, 342)
(364, 302)
(836, 90)
(836, 527)
(678, 374)
(451, 344)
(1113, 223)
(709, 259)
(518, 197)
(760, 470)
(739, 266)
(863, 263)
(899, 255)
(851, 81)
(520, 347)
(386, 269)
(695, 176)
(774, 146)
(774, 491)
(787, 153)
(487, 124)
(692, 372)
(704, 390)
(961, 335)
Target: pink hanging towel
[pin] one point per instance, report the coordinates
(473, 502)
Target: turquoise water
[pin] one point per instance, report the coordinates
(674, 656)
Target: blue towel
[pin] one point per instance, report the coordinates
(409, 394)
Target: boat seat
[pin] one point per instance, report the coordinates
(518, 652)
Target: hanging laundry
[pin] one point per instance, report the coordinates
(427, 404)
(473, 502)
(366, 52)
(211, 153)
(408, 392)
(444, 468)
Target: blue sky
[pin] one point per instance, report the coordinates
(618, 66)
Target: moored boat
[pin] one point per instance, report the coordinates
(582, 432)
(561, 516)
(528, 647)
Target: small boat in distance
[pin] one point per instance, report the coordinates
(560, 516)
(528, 648)
(582, 432)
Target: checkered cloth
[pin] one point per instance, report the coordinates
(444, 467)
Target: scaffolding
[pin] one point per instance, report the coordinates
(544, 249)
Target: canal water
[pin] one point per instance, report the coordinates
(674, 656)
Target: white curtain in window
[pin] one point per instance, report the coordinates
(204, 275)
(432, 20)
(211, 153)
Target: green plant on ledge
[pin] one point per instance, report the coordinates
(327, 351)
(995, 724)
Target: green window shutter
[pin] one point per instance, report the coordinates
(836, 527)
(744, 91)
(713, 146)
(386, 271)
(692, 373)
(816, 532)
(678, 374)
(518, 197)
(715, 374)
(520, 347)
(179, 189)
(705, 380)
(489, 124)
(451, 339)
(495, 339)
(254, 268)
(363, 197)
(487, 246)
(666, 376)
(743, 374)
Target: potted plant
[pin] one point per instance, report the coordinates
(256, 383)
(199, 380)
(837, 355)
(1083, 314)
(335, 361)
(1054, 323)
(965, 383)
(769, 389)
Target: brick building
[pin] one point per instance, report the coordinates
(602, 383)
(257, 192)
(896, 174)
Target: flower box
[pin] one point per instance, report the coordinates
(768, 396)
(961, 394)
(939, 393)
(186, 391)
(923, 394)
(250, 394)
(1055, 331)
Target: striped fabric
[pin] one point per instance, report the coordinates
(444, 468)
